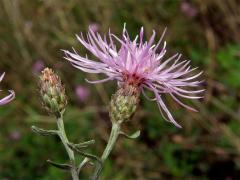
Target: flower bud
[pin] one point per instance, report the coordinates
(52, 92)
(124, 103)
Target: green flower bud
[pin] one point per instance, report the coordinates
(52, 92)
(124, 103)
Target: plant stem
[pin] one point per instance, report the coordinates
(65, 142)
(111, 142)
(82, 164)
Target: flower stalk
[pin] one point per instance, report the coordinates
(115, 132)
(122, 106)
(60, 132)
(64, 139)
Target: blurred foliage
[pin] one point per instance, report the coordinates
(207, 32)
(227, 58)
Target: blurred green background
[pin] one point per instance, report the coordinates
(32, 32)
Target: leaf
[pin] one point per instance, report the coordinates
(133, 136)
(44, 132)
(90, 156)
(84, 144)
(60, 166)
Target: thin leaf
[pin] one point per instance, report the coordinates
(60, 166)
(133, 136)
(84, 144)
(90, 156)
(44, 132)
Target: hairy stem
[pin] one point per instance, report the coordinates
(65, 142)
(111, 142)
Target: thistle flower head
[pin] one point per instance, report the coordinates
(52, 92)
(9, 97)
(140, 64)
(124, 103)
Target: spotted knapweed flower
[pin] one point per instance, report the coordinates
(140, 64)
(38, 66)
(82, 93)
(8, 98)
(188, 9)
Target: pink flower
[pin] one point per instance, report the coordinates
(8, 98)
(38, 66)
(15, 135)
(139, 63)
(188, 9)
(94, 27)
(82, 93)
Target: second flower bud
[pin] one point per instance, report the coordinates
(52, 92)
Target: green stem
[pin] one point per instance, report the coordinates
(111, 142)
(65, 142)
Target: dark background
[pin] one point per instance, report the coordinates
(32, 32)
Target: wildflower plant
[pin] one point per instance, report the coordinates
(54, 100)
(137, 66)
(9, 97)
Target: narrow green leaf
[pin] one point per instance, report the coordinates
(133, 136)
(90, 156)
(60, 166)
(44, 132)
(84, 144)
